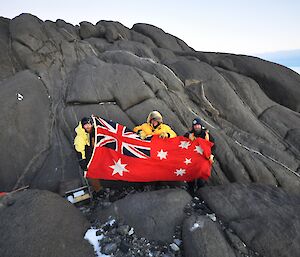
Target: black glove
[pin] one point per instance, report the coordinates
(83, 164)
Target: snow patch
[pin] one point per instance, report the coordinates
(212, 216)
(93, 239)
(196, 225)
(131, 232)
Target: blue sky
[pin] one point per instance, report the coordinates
(233, 26)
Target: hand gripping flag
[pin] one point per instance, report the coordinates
(120, 154)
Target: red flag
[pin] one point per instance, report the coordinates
(120, 154)
(3, 194)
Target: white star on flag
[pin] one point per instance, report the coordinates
(184, 144)
(198, 149)
(188, 161)
(162, 155)
(180, 172)
(118, 168)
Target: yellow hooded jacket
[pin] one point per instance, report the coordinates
(150, 131)
(81, 140)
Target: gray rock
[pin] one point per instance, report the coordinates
(101, 88)
(7, 68)
(40, 223)
(123, 74)
(153, 215)
(109, 248)
(88, 30)
(174, 247)
(123, 230)
(282, 89)
(202, 237)
(160, 71)
(114, 31)
(25, 112)
(137, 48)
(160, 38)
(70, 32)
(266, 218)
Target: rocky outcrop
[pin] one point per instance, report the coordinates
(154, 215)
(228, 220)
(40, 223)
(53, 73)
(202, 237)
(265, 218)
(56, 73)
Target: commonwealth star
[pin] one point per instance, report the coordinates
(162, 155)
(184, 144)
(180, 172)
(198, 149)
(118, 168)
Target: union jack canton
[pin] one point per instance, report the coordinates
(120, 138)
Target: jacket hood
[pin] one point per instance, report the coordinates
(154, 115)
(79, 129)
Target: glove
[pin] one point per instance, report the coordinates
(192, 136)
(164, 135)
(84, 173)
(211, 158)
(142, 134)
(207, 135)
(83, 164)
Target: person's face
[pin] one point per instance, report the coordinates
(88, 127)
(197, 127)
(155, 122)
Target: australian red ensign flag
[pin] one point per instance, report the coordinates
(120, 154)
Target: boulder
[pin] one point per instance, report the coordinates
(278, 82)
(6, 63)
(41, 223)
(88, 30)
(153, 215)
(25, 115)
(203, 238)
(160, 38)
(266, 218)
(123, 74)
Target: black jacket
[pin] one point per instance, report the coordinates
(202, 134)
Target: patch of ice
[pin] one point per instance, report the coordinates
(111, 222)
(131, 231)
(198, 224)
(212, 217)
(93, 239)
(174, 247)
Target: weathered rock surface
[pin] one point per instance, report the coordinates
(266, 218)
(41, 223)
(54, 73)
(64, 72)
(153, 215)
(202, 237)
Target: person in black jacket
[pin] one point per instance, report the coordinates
(198, 130)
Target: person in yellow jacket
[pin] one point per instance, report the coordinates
(84, 144)
(154, 126)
